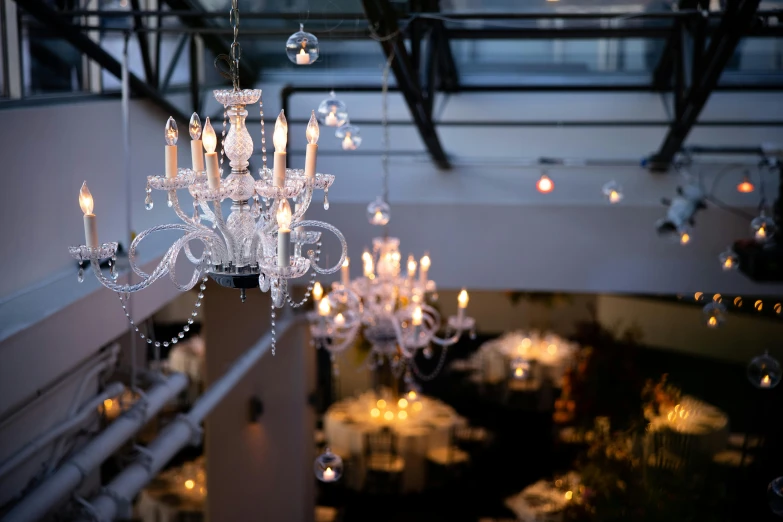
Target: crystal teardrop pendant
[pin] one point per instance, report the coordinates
(148, 202)
(326, 200)
(169, 202)
(113, 271)
(196, 215)
(80, 275)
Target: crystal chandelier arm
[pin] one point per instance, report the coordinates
(208, 237)
(178, 245)
(206, 212)
(190, 221)
(304, 203)
(221, 226)
(311, 254)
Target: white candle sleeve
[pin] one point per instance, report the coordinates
(460, 314)
(283, 242)
(171, 161)
(91, 230)
(213, 170)
(196, 157)
(346, 275)
(279, 172)
(312, 152)
(423, 275)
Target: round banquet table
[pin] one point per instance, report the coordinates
(426, 427)
(167, 499)
(551, 353)
(706, 426)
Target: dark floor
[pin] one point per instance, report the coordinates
(523, 450)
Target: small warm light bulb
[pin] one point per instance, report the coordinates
(411, 266)
(312, 132)
(758, 305)
(412, 395)
(402, 415)
(189, 484)
(417, 406)
(280, 137)
(339, 320)
(766, 381)
(463, 298)
(728, 263)
(544, 184)
(381, 403)
(425, 262)
(569, 495)
(85, 200)
(402, 403)
(284, 216)
(388, 415)
(318, 291)
(368, 268)
(208, 137)
(712, 321)
(375, 412)
(366, 255)
(697, 296)
(107, 404)
(519, 372)
(194, 127)
(324, 308)
(761, 233)
(526, 343)
(417, 316)
(685, 238)
(171, 133)
(717, 297)
(614, 197)
(745, 185)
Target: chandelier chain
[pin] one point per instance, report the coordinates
(429, 376)
(385, 125)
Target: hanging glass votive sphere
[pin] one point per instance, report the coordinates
(545, 185)
(378, 212)
(613, 192)
(520, 369)
(302, 47)
(764, 371)
(728, 260)
(714, 314)
(763, 228)
(350, 135)
(332, 112)
(328, 467)
(775, 496)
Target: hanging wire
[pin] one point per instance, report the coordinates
(230, 70)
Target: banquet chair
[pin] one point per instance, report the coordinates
(383, 463)
(671, 450)
(447, 462)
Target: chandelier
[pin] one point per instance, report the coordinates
(392, 311)
(252, 246)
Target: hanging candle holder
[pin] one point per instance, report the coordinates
(764, 371)
(332, 112)
(728, 260)
(302, 47)
(763, 227)
(613, 192)
(714, 314)
(378, 212)
(328, 467)
(350, 135)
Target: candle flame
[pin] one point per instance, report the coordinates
(189, 484)
(544, 184)
(411, 266)
(348, 143)
(171, 133)
(375, 412)
(284, 216)
(685, 238)
(712, 321)
(318, 291)
(417, 316)
(347, 262)
(280, 136)
(324, 307)
(463, 298)
(402, 403)
(194, 127)
(766, 381)
(209, 138)
(85, 200)
(312, 132)
(425, 262)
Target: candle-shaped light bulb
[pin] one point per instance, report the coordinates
(284, 216)
(411, 266)
(339, 320)
(463, 298)
(318, 291)
(345, 272)
(280, 137)
(417, 316)
(209, 138)
(194, 127)
(424, 266)
(324, 308)
(366, 256)
(90, 224)
(171, 132)
(312, 132)
(85, 200)
(425, 262)
(614, 197)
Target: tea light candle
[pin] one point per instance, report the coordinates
(303, 58)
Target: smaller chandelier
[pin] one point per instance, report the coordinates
(390, 309)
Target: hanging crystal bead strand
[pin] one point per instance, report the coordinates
(223, 137)
(274, 338)
(263, 135)
(181, 334)
(80, 274)
(310, 285)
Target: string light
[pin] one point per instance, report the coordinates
(745, 186)
(544, 184)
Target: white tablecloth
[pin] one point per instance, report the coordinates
(550, 353)
(174, 493)
(427, 426)
(544, 501)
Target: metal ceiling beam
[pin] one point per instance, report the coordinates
(383, 19)
(212, 41)
(49, 17)
(662, 75)
(739, 15)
